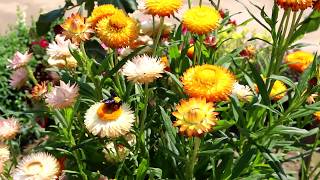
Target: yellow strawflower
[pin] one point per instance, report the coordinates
(101, 12)
(212, 82)
(299, 60)
(195, 117)
(162, 7)
(201, 20)
(117, 31)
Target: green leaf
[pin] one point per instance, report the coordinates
(142, 169)
(281, 129)
(244, 161)
(45, 20)
(310, 24)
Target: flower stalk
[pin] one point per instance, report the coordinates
(193, 158)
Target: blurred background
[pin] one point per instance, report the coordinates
(32, 9)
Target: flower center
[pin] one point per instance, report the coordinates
(117, 23)
(195, 115)
(109, 112)
(34, 167)
(206, 76)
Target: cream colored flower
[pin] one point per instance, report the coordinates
(109, 120)
(62, 96)
(4, 153)
(143, 69)
(114, 155)
(59, 54)
(19, 60)
(9, 128)
(37, 166)
(243, 92)
(18, 78)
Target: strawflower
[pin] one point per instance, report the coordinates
(19, 60)
(201, 20)
(117, 31)
(62, 96)
(9, 128)
(143, 69)
(162, 7)
(195, 117)
(208, 81)
(110, 118)
(37, 166)
(295, 5)
(18, 78)
(299, 60)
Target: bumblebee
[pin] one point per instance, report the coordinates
(113, 103)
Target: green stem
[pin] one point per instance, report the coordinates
(218, 4)
(200, 3)
(31, 76)
(200, 61)
(192, 161)
(158, 36)
(144, 113)
(189, 4)
(313, 149)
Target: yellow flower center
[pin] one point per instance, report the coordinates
(109, 112)
(206, 76)
(195, 115)
(117, 23)
(34, 167)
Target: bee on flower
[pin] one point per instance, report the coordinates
(109, 118)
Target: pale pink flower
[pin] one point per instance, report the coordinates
(18, 78)
(9, 128)
(62, 96)
(19, 60)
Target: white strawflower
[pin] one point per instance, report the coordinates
(243, 92)
(9, 128)
(62, 96)
(105, 120)
(4, 153)
(19, 60)
(143, 69)
(18, 78)
(37, 166)
(59, 54)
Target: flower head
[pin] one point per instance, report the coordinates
(76, 28)
(278, 90)
(316, 5)
(115, 154)
(109, 118)
(59, 54)
(118, 30)
(9, 128)
(4, 153)
(299, 60)
(248, 52)
(162, 7)
(37, 166)
(19, 60)
(208, 81)
(18, 78)
(143, 69)
(201, 20)
(195, 117)
(317, 116)
(39, 90)
(295, 5)
(101, 12)
(62, 96)
(243, 92)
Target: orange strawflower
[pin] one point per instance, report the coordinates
(195, 117)
(190, 52)
(299, 60)
(208, 81)
(295, 5)
(76, 28)
(117, 31)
